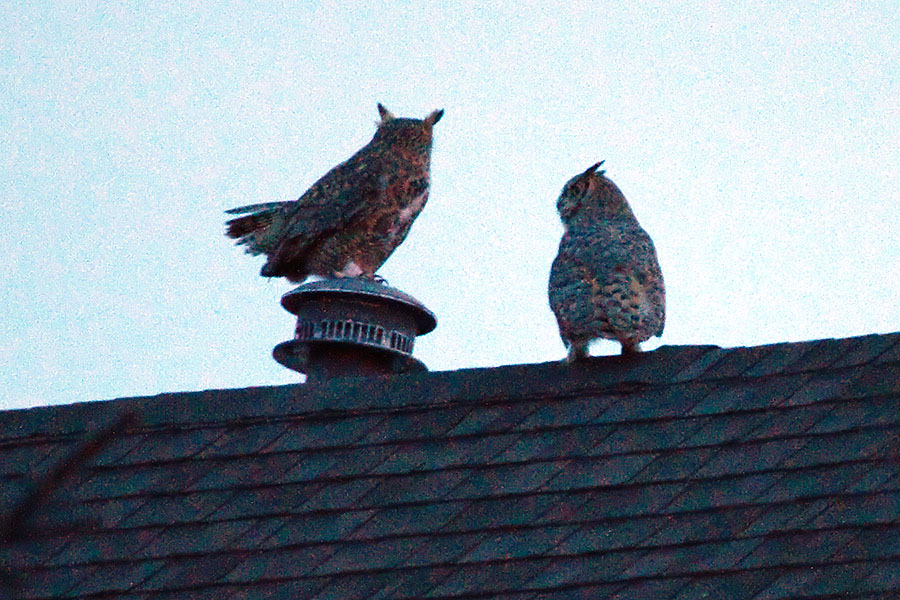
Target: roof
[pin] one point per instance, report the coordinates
(688, 472)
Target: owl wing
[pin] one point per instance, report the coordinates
(607, 280)
(332, 203)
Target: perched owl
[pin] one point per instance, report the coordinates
(605, 281)
(351, 220)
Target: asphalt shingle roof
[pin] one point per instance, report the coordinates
(690, 472)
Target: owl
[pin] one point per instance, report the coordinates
(351, 220)
(605, 281)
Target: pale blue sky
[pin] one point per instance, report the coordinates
(759, 145)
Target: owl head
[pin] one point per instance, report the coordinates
(591, 195)
(409, 133)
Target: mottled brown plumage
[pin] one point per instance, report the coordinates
(351, 220)
(605, 281)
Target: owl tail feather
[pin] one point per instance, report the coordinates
(254, 229)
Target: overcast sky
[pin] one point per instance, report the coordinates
(758, 145)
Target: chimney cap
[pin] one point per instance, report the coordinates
(292, 300)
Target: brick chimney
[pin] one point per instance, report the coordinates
(352, 327)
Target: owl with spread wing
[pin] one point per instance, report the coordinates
(351, 220)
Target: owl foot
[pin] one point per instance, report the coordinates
(630, 347)
(576, 353)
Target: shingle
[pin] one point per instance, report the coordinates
(414, 583)
(442, 549)
(170, 445)
(723, 492)
(503, 512)
(643, 437)
(782, 359)
(820, 387)
(669, 401)
(734, 362)
(746, 395)
(584, 592)
(603, 567)
(631, 500)
(720, 429)
(245, 439)
(701, 363)
(825, 353)
(604, 471)
(750, 457)
(564, 412)
(402, 520)
(182, 508)
(558, 443)
(358, 586)
(789, 583)
(892, 353)
(295, 589)
(416, 425)
(329, 496)
(880, 542)
(707, 525)
(617, 534)
(655, 589)
(189, 539)
(845, 416)
(116, 577)
(691, 558)
(812, 483)
(415, 487)
(862, 509)
(741, 585)
(111, 513)
(451, 452)
(797, 548)
(840, 580)
(190, 571)
(517, 543)
(487, 578)
(672, 465)
(792, 514)
(792, 422)
(93, 547)
(368, 555)
(265, 469)
(868, 348)
(881, 475)
(130, 481)
(316, 527)
(878, 380)
(52, 583)
(307, 434)
(279, 564)
(849, 445)
(498, 419)
(507, 479)
(885, 575)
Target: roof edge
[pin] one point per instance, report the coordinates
(665, 365)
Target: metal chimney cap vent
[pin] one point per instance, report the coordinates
(293, 300)
(352, 326)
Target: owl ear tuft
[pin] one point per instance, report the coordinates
(593, 168)
(434, 117)
(385, 113)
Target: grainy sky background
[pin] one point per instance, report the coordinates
(759, 145)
